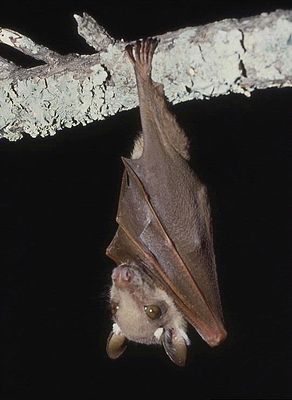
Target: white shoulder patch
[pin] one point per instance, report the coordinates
(116, 329)
(158, 333)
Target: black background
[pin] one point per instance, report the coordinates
(58, 203)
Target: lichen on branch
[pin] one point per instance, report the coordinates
(229, 56)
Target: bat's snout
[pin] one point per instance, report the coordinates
(122, 276)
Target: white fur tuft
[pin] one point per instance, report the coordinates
(116, 329)
(138, 147)
(158, 333)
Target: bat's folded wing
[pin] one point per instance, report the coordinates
(142, 239)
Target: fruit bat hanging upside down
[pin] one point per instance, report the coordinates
(163, 247)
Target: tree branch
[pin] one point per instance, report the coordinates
(232, 55)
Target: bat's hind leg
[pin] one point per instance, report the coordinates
(141, 54)
(159, 126)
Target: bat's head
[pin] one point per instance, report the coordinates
(144, 313)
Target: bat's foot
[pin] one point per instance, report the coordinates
(141, 54)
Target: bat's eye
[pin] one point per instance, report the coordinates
(114, 307)
(153, 311)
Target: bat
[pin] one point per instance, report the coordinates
(165, 276)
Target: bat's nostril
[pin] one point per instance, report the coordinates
(122, 274)
(126, 274)
(115, 273)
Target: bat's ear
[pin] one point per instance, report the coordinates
(175, 346)
(116, 344)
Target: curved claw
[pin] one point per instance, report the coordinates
(141, 54)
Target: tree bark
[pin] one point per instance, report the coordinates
(232, 55)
